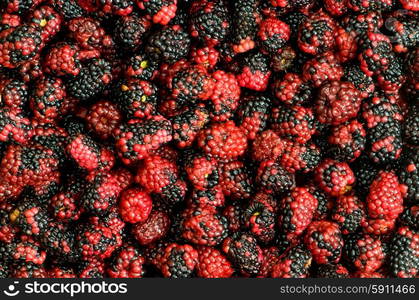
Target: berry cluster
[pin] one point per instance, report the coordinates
(209, 138)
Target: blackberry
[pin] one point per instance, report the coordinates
(169, 44)
(126, 263)
(294, 20)
(160, 11)
(349, 213)
(408, 174)
(133, 140)
(385, 142)
(335, 178)
(362, 82)
(381, 109)
(60, 243)
(245, 26)
(260, 219)
(316, 34)
(236, 180)
(20, 6)
(410, 217)
(411, 125)
(252, 115)
(117, 7)
(213, 264)
(403, 31)
(209, 21)
(300, 157)
(68, 9)
(201, 170)
(392, 79)
(14, 93)
(332, 271)
(203, 226)
(294, 263)
(404, 261)
(141, 67)
(30, 43)
(292, 90)
(324, 240)
(178, 261)
(30, 217)
(242, 249)
(136, 98)
(92, 80)
(273, 34)
(347, 141)
(253, 71)
(130, 30)
(272, 178)
(295, 123)
(187, 125)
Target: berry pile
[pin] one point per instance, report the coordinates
(209, 138)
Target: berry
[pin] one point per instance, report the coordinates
(272, 178)
(365, 253)
(135, 205)
(154, 228)
(292, 90)
(273, 35)
(242, 250)
(130, 30)
(403, 251)
(335, 178)
(222, 140)
(337, 102)
(252, 115)
(362, 82)
(103, 118)
(202, 170)
(385, 199)
(213, 264)
(267, 146)
(253, 72)
(126, 263)
(349, 213)
(244, 29)
(324, 240)
(179, 261)
(235, 180)
(294, 263)
(322, 68)
(375, 55)
(347, 141)
(160, 11)
(297, 157)
(259, 217)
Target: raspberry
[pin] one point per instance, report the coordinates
(324, 240)
(316, 34)
(135, 205)
(292, 264)
(335, 178)
(160, 11)
(272, 178)
(213, 264)
(223, 140)
(243, 251)
(349, 213)
(137, 139)
(385, 197)
(273, 35)
(267, 146)
(178, 261)
(295, 123)
(337, 102)
(366, 253)
(292, 90)
(154, 228)
(202, 226)
(403, 251)
(127, 263)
